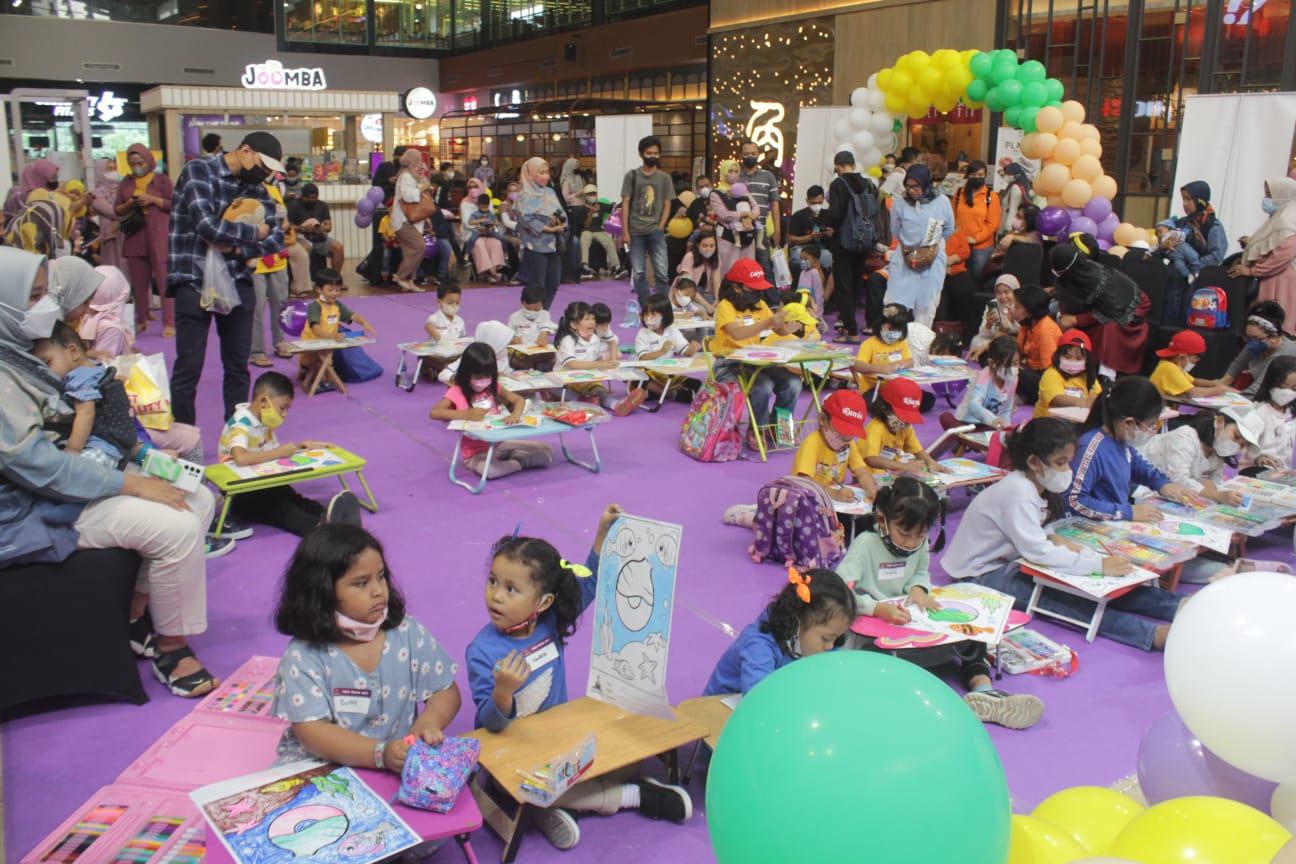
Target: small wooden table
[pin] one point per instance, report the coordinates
(710, 712)
(449, 349)
(621, 739)
(325, 348)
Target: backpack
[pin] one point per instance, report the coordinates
(796, 524)
(1209, 309)
(354, 365)
(857, 231)
(710, 431)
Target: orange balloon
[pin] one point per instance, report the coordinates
(1104, 187)
(1077, 192)
(1089, 132)
(1045, 142)
(1049, 119)
(1092, 147)
(1073, 130)
(1087, 168)
(1055, 201)
(1126, 234)
(1067, 151)
(1052, 178)
(1028, 145)
(1072, 111)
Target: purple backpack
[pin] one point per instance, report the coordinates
(710, 431)
(796, 524)
(433, 777)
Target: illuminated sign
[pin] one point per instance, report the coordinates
(767, 134)
(1239, 12)
(1143, 109)
(105, 107)
(371, 128)
(470, 103)
(420, 103)
(272, 75)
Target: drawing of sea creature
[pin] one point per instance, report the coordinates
(622, 667)
(970, 629)
(332, 784)
(634, 594)
(369, 844)
(951, 615)
(285, 785)
(303, 831)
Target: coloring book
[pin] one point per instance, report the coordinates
(966, 610)
(1096, 585)
(300, 462)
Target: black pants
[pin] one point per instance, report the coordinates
(970, 657)
(958, 302)
(280, 507)
(234, 330)
(545, 270)
(848, 276)
(875, 288)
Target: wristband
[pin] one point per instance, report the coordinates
(138, 458)
(378, 753)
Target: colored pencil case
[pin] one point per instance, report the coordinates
(433, 777)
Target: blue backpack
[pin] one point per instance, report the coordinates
(1209, 309)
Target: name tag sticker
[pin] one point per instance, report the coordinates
(541, 654)
(348, 700)
(890, 571)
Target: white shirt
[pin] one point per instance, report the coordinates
(407, 189)
(1279, 436)
(646, 342)
(449, 328)
(1178, 453)
(572, 347)
(683, 307)
(528, 325)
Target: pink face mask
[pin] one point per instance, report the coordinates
(479, 384)
(359, 630)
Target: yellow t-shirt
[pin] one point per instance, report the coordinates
(1052, 385)
(879, 440)
(1170, 379)
(722, 343)
(279, 260)
(875, 351)
(829, 467)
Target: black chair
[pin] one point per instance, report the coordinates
(1150, 276)
(1024, 260)
(1222, 345)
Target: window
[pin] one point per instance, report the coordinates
(335, 22)
(412, 23)
(689, 84)
(608, 87)
(254, 16)
(618, 9)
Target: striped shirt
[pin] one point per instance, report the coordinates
(760, 186)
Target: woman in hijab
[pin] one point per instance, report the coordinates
(54, 502)
(484, 247)
(1201, 242)
(1104, 303)
(541, 220)
(411, 192)
(1014, 196)
(735, 215)
(145, 250)
(573, 184)
(497, 335)
(921, 221)
(39, 225)
(1269, 254)
(40, 174)
(73, 283)
(102, 204)
(103, 326)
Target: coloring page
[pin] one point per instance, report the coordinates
(302, 460)
(966, 610)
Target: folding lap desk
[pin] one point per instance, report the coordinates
(326, 346)
(516, 433)
(448, 350)
(1100, 608)
(752, 363)
(710, 712)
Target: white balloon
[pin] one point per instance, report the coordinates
(872, 157)
(876, 100)
(863, 140)
(842, 128)
(872, 82)
(1228, 666)
(1282, 806)
(882, 123)
(858, 95)
(860, 118)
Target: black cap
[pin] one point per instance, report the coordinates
(309, 189)
(267, 147)
(844, 157)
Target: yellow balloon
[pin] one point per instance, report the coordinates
(931, 81)
(1092, 815)
(679, 228)
(1127, 234)
(901, 82)
(1202, 831)
(1089, 132)
(917, 105)
(1045, 144)
(1073, 111)
(1052, 178)
(1049, 119)
(1087, 168)
(1073, 130)
(1035, 841)
(895, 102)
(1092, 147)
(875, 171)
(1077, 192)
(1104, 187)
(1067, 151)
(884, 79)
(945, 104)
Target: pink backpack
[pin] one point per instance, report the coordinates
(796, 524)
(710, 431)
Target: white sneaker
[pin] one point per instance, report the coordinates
(1010, 710)
(557, 825)
(742, 515)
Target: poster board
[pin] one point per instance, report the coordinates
(617, 138)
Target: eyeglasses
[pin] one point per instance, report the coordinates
(914, 186)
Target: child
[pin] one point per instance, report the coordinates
(989, 401)
(887, 352)
(603, 329)
(445, 325)
(1166, 244)
(1006, 522)
(476, 395)
(1037, 339)
(1275, 402)
(891, 560)
(811, 615)
(889, 440)
(516, 668)
(831, 456)
(531, 324)
(495, 334)
(1177, 359)
(1194, 454)
(249, 439)
(1073, 377)
(686, 302)
(345, 617)
(659, 337)
(813, 279)
(323, 317)
(103, 429)
(1107, 462)
(579, 347)
(798, 323)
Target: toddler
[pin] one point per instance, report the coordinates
(686, 302)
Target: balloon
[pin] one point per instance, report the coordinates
(875, 172)
(1086, 168)
(1012, 116)
(859, 95)
(1200, 830)
(365, 206)
(884, 78)
(1029, 114)
(945, 104)
(895, 103)
(1089, 132)
(876, 99)
(842, 128)
(901, 82)
(871, 83)
(1034, 95)
(981, 64)
(679, 228)
(859, 118)
(1083, 224)
(1004, 69)
(1073, 111)
(1092, 815)
(1032, 71)
(1067, 150)
(977, 90)
(1010, 92)
(1172, 763)
(429, 246)
(1055, 89)
(1103, 243)
(1035, 841)
(872, 157)
(931, 81)
(1028, 145)
(1075, 213)
(1073, 130)
(917, 105)
(801, 726)
(1076, 193)
(1104, 187)
(1049, 120)
(1046, 143)
(1055, 201)
(1127, 235)
(1234, 706)
(863, 140)
(994, 101)
(881, 123)
(375, 194)
(293, 316)
(1098, 209)
(1091, 147)
(1052, 221)
(1052, 178)
(1107, 227)
(363, 220)
(1104, 860)
(1282, 805)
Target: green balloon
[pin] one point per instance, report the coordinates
(1010, 92)
(1004, 70)
(1055, 90)
(981, 64)
(994, 101)
(815, 730)
(1006, 55)
(1027, 119)
(1034, 94)
(1012, 116)
(1031, 70)
(976, 91)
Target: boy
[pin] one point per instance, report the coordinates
(249, 439)
(532, 328)
(831, 456)
(603, 329)
(445, 325)
(1177, 359)
(890, 443)
(323, 316)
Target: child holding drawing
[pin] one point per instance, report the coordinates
(516, 668)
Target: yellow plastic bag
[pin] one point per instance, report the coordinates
(149, 391)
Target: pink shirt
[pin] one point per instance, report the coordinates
(459, 400)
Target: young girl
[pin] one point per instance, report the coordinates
(1107, 461)
(811, 615)
(516, 668)
(887, 352)
(476, 395)
(1275, 402)
(890, 443)
(660, 338)
(351, 680)
(1072, 380)
(1194, 454)
(686, 302)
(1006, 522)
(580, 347)
(1037, 338)
(989, 401)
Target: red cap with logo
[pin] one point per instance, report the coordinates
(1075, 337)
(904, 397)
(848, 412)
(1184, 342)
(747, 272)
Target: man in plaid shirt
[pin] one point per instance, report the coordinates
(205, 189)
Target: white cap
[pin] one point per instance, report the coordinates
(1250, 425)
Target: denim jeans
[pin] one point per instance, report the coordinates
(783, 384)
(1121, 622)
(643, 247)
(978, 260)
(543, 269)
(443, 257)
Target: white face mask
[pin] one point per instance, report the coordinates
(815, 208)
(530, 315)
(1225, 448)
(38, 321)
(704, 191)
(1017, 226)
(450, 309)
(1139, 438)
(1055, 481)
(1280, 396)
(113, 177)
(603, 332)
(652, 322)
(706, 253)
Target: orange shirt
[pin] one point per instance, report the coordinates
(957, 244)
(980, 221)
(1038, 344)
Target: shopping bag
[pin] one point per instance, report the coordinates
(219, 294)
(782, 273)
(148, 388)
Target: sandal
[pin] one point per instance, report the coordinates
(261, 361)
(143, 641)
(194, 684)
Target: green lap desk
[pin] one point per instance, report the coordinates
(224, 478)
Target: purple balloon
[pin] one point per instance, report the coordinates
(365, 206)
(1083, 224)
(1075, 212)
(375, 194)
(1172, 763)
(1098, 209)
(293, 316)
(1052, 220)
(1104, 245)
(1107, 227)
(363, 220)
(430, 246)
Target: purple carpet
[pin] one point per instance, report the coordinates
(437, 538)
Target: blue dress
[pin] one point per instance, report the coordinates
(918, 289)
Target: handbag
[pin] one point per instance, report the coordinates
(434, 776)
(921, 258)
(132, 222)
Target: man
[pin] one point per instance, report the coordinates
(313, 221)
(893, 186)
(443, 202)
(292, 185)
(211, 144)
(809, 226)
(385, 174)
(595, 212)
(702, 189)
(849, 267)
(645, 195)
(205, 189)
(762, 186)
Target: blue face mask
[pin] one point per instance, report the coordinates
(1256, 347)
(1269, 206)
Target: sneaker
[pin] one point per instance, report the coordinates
(232, 529)
(658, 800)
(557, 825)
(219, 547)
(1014, 711)
(343, 509)
(630, 402)
(143, 640)
(587, 273)
(742, 515)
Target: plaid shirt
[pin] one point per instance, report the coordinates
(206, 187)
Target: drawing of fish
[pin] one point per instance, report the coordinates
(970, 629)
(953, 616)
(332, 784)
(303, 831)
(369, 844)
(285, 785)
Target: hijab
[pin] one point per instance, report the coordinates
(17, 273)
(149, 162)
(536, 198)
(35, 175)
(722, 171)
(107, 306)
(922, 174)
(39, 226)
(1203, 220)
(498, 336)
(73, 282)
(1280, 225)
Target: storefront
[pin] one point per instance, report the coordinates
(46, 124)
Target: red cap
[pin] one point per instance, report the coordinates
(1184, 342)
(746, 271)
(1075, 337)
(847, 409)
(904, 397)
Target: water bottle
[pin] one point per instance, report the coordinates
(632, 313)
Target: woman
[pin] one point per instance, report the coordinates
(145, 250)
(1015, 195)
(732, 226)
(1270, 253)
(999, 317)
(922, 221)
(103, 203)
(1037, 339)
(39, 226)
(73, 283)
(978, 213)
(509, 225)
(1021, 229)
(82, 504)
(411, 195)
(1200, 241)
(540, 222)
(572, 184)
(484, 172)
(1105, 304)
(486, 248)
(1265, 340)
(40, 174)
(702, 265)
(103, 327)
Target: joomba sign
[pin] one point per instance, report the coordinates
(271, 75)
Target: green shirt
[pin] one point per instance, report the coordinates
(879, 575)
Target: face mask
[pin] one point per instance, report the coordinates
(270, 416)
(1187, 367)
(51, 184)
(816, 208)
(254, 176)
(1008, 374)
(485, 162)
(38, 321)
(359, 630)
(1256, 347)
(479, 384)
(529, 315)
(1054, 481)
(704, 191)
(975, 183)
(890, 337)
(1225, 447)
(1281, 396)
(1269, 206)
(896, 425)
(1073, 367)
(891, 546)
(834, 439)
(291, 181)
(450, 309)
(753, 298)
(750, 161)
(113, 177)
(512, 196)
(308, 204)
(652, 322)
(590, 199)
(706, 253)
(650, 161)
(1139, 438)
(603, 332)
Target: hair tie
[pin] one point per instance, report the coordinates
(579, 570)
(802, 583)
(1263, 323)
